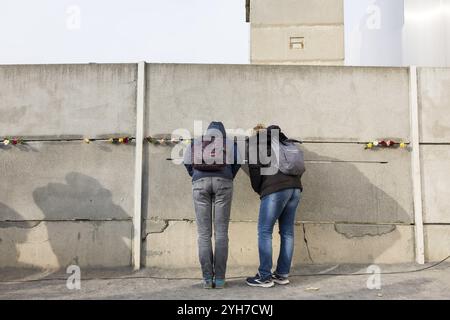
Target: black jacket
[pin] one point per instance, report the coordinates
(267, 184)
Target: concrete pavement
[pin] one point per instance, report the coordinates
(433, 283)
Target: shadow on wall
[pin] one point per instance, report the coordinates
(15, 231)
(333, 188)
(341, 190)
(345, 210)
(22, 147)
(338, 191)
(75, 225)
(81, 197)
(92, 241)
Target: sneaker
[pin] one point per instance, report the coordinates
(207, 284)
(219, 283)
(257, 281)
(279, 279)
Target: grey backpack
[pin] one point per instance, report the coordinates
(290, 160)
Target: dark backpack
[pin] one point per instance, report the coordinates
(290, 159)
(205, 154)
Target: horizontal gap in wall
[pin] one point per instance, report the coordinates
(238, 139)
(333, 142)
(437, 224)
(315, 161)
(70, 139)
(297, 222)
(67, 220)
(346, 161)
(357, 223)
(312, 63)
(297, 25)
(342, 141)
(434, 143)
(243, 139)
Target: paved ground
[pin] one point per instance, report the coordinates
(429, 284)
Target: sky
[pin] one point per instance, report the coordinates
(397, 32)
(207, 31)
(110, 31)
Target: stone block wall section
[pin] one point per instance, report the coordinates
(66, 202)
(434, 116)
(297, 32)
(63, 201)
(57, 101)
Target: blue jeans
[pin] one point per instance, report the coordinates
(281, 206)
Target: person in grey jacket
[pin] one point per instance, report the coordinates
(212, 195)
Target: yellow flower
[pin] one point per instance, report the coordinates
(402, 145)
(258, 127)
(120, 140)
(87, 140)
(369, 145)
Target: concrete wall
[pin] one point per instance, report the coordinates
(357, 200)
(63, 201)
(68, 100)
(320, 23)
(434, 104)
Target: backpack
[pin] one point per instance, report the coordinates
(290, 160)
(204, 154)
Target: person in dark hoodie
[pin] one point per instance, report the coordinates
(280, 196)
(212, 194)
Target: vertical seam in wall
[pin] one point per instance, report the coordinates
(415, 166)
(137, 216)
(250, 29)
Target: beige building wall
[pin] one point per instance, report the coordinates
(309, 32)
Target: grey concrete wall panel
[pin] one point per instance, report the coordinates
(434, 104)
(437, 242)
(66, 180)
(312, 103)
(67, 100)
(58, 244)
(326, 243)
(346, 183)
(435, 160)
(343, 183)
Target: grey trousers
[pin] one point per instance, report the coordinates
(212, 202)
